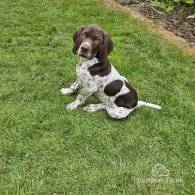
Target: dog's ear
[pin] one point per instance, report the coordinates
(106, 48)
(77, 40)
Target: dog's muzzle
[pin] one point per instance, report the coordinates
(85, 50)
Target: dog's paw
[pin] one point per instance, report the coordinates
(66, 91)
(72, 106)
(90, 108)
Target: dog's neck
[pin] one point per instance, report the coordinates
(92, 61)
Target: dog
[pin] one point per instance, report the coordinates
(97, 76)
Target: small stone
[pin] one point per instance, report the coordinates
(191, 17)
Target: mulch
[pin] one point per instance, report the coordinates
(180, 20)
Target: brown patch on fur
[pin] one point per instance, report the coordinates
(113, 88)
(128, 100)
(180, 42)
(100, 69)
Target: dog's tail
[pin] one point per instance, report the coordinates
(141, 103)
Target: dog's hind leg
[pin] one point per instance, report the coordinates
(113, 111)
(94, 107)
(118, 112)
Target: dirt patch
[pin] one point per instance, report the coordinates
(180, 21)
(156, 22)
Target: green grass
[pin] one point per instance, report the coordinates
(46, 149)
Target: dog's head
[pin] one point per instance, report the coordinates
(91, 41)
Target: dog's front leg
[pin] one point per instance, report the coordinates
(81, 98)
(74, 87)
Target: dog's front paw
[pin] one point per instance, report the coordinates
(72, 106)
(90, 108)
(66, 91)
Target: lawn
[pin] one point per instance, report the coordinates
(46, 149)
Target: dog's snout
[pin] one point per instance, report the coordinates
(85, 48)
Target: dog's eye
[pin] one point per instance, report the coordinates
(98, 39)
(83, 35)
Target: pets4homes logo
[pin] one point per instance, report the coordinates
(159, 174)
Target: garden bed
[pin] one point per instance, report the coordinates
(180, 21)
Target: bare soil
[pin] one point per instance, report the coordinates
(180, 21)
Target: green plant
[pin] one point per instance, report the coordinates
(168, 5)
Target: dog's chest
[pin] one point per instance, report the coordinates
(82, 72)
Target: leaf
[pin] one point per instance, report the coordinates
(163, 5)
(171, 7)
(189, 1)
(155, 3)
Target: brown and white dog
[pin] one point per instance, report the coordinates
(97, 76)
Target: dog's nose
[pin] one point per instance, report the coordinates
(85, 48)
